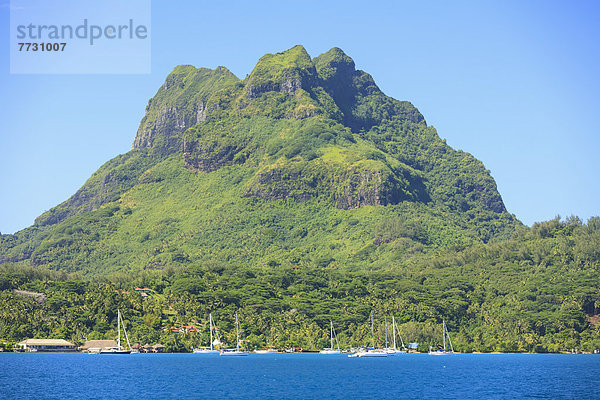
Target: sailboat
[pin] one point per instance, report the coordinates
(119, 349)
(208, 350)
(331, 350)
(236, 351)
(370, 351)
(444, 351)
(394, 350)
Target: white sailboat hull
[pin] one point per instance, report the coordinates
(200, 351)
(114, 351)
(329, 351)
(233, 353)
(369, 353)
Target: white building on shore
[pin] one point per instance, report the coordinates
(46, 345)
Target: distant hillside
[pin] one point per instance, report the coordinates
(535, 292)
(305, 162)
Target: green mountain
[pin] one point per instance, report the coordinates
(304, 162)
(299, 195)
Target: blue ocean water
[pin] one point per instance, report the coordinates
(298, 376)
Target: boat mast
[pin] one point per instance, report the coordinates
(444, 333)
(237, 333)
(119, 328)
(210, 329)
(336, 339)
(125, 331)
(401, 340)
(331, 332)
(386, 331)
(372, 331)
(449, 341)
(394, 330)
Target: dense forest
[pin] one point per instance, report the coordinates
(297, 195)
(536, 292)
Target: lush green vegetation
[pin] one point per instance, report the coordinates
(536, 292)
(310, 168)
(299, 194)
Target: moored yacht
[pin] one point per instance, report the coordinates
(444, 351)
(236, 351)
(119, 349)
(370, 351)
(332, 350)
(394, 350)
(208, 350)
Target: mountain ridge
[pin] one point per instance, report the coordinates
(296, 130)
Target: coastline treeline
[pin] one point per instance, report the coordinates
(538, 291)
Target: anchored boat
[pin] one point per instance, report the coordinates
(208, 350)
(444, 351)
(236, 351)
(119, 349)
(370, 351)
(332, 334)
(394, 350)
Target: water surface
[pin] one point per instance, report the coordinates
(298, 376)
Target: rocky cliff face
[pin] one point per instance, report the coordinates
(285, 72)
(207, 157)
(294, 86)
(361, 101)
(348, 185)
(170, 121)
(368, 188)
(179, 104)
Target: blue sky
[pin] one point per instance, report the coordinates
(514, 83)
